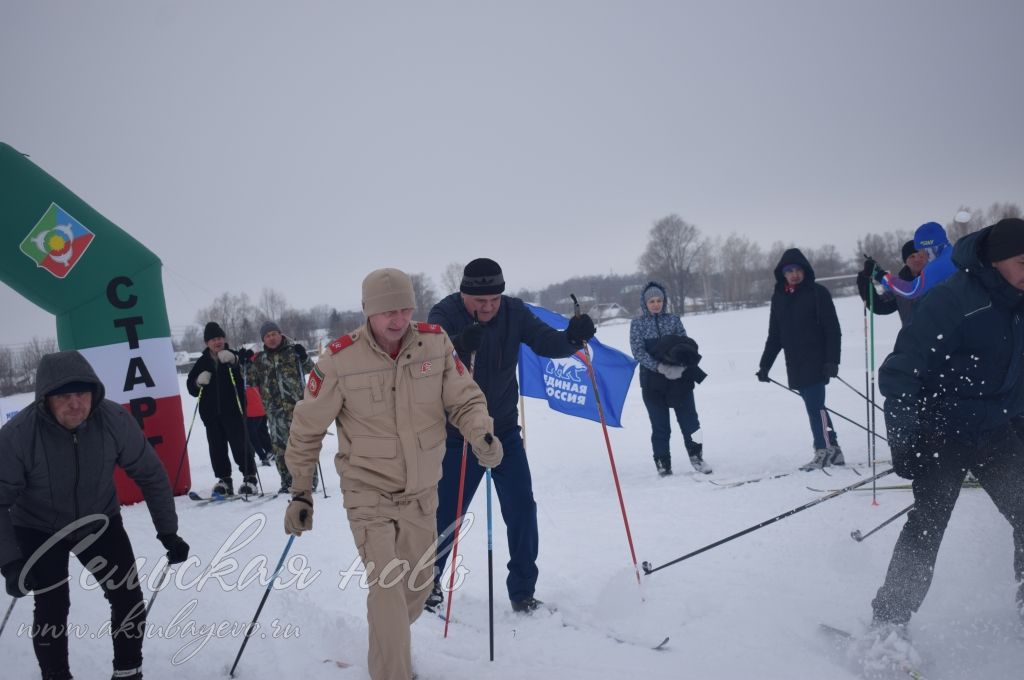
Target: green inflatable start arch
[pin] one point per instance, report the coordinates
(104, 288)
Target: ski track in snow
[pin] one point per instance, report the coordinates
(747, 609)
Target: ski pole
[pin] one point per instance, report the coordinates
(490, 564)
(863, 396)
(10, 608)
(302, 380)
(871, 421)
(266, 593)
(184, 449)
(159, 587)
(857, 536)
(608, 442)
(249, 458)
(458, 517)
(838, 415)
(648, 569)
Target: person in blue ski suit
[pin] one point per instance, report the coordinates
(501, 324)
(931, 238)
(667, 380)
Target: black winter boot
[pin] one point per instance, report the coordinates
(696, 452)
(527, 606)
(63, 674)
(224, 486)
(132, 674)
(664, 466)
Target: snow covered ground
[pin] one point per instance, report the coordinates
(747, 609)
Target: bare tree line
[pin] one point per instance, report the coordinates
(18, 367)
(700, 273)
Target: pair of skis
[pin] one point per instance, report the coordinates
(215, 497)
(779, 475)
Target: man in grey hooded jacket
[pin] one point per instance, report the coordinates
(57, 496)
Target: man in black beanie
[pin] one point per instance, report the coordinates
(887, 302)
(954, 388)
(488, 327)
(216, 381)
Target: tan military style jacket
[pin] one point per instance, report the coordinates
(390, 413)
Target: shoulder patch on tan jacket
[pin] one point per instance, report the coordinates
(424, 327)
(340, 344)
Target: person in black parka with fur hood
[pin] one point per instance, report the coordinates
(803, 324)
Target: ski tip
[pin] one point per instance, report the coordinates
(661, 645)
(194, 496)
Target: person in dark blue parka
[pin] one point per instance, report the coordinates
(803, 324)
(954, 393)
(501, 324)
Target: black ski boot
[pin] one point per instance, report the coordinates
(435, 599)
(224, 487)
(696, 451)
(249, 485)
(664, 466)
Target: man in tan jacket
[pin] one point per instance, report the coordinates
(389, 386)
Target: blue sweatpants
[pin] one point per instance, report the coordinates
(514, 486)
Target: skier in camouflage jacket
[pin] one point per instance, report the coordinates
(278, 372)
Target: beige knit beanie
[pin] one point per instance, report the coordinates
(385, 290)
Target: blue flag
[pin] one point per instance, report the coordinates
(565, 383)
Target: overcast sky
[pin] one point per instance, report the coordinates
(299, 145)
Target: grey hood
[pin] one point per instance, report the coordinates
(60, 368)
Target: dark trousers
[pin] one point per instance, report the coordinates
(259, 437)
(110, 559)
(821, 425)
(998, 463)
(661, 429)
(228, 429)
(514, 485)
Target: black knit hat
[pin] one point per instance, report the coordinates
(212, 330)
(482, 277)
(1005, 240)
(908, 249)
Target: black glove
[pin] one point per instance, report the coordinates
(880, 274)
(581, 329)
(12, 574)
(869, 267)
(762, 375)
(177, 549)
(245, 355)
(831, 370)
(300, 352)
(470, 339)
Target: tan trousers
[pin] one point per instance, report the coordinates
(396, 538)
